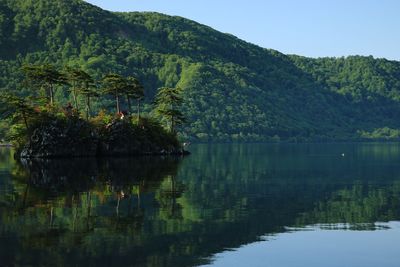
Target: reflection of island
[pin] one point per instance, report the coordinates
(77, 201)
(164, 212)
(123, 177)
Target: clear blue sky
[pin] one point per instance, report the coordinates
(305, 27)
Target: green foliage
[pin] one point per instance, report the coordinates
(45, 76)
(48, 129)
(150, 128)
(168, 104)
(102, 118)
(134, 89)
(114, 84)
(15, 108)
(233, 90)
(16, 114)
(82, 83)
(381, 134)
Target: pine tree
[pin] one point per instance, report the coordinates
(114, 84)
(45, 76)
(168, 103)
(18, 109)
(134, 90)
(87, 89)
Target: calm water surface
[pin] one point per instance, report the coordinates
(225, 205)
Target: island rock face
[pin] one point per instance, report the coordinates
(56, 139)
(121, 139)
(77, 138)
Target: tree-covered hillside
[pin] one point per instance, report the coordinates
(233, 90)
(370, 88)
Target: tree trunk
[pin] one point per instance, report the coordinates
(51, 94)
(172, 125)
(51, 216)
(129, 104)
(138, 111)
(25, 120)
(87, 108)
(117, 100)
(75, 98)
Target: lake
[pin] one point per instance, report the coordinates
(224, 205)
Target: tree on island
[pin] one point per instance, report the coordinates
(75, 78)
(168, 103)
(82, 83)
(45, 76)
(66, 132)
(87, 90)
(114, 84)
(18, 109)
(135, 90)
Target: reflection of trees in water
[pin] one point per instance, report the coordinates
(356, 205)
(66, 205)
(217, 200)
(238, 180)
(169, 192)
(76, 195)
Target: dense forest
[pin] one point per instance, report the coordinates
(233, 90)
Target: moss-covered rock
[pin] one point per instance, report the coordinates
(75, 137)
(122, 137)
(71, 137)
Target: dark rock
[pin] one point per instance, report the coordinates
(77, 138)
(58, 139)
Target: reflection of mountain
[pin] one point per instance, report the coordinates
(149, 212)
(245, 191)
(359, 203)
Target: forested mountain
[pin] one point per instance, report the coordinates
(233, 90)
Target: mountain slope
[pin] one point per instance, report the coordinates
(233, 90)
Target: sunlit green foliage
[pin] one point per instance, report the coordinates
(45, 77)
(62, 126)
(168, 106)
(134, 89)
(233, 90)
(87, 89)
(114, 85)
(18, 109)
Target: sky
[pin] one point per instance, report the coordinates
(314, 28)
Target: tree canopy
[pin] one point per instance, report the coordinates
(234, 90)
(168, 106)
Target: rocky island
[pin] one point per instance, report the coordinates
(73, 137)
(53, 130)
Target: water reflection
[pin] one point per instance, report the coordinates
(314, 246)
(91, 209)
(179, 212)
